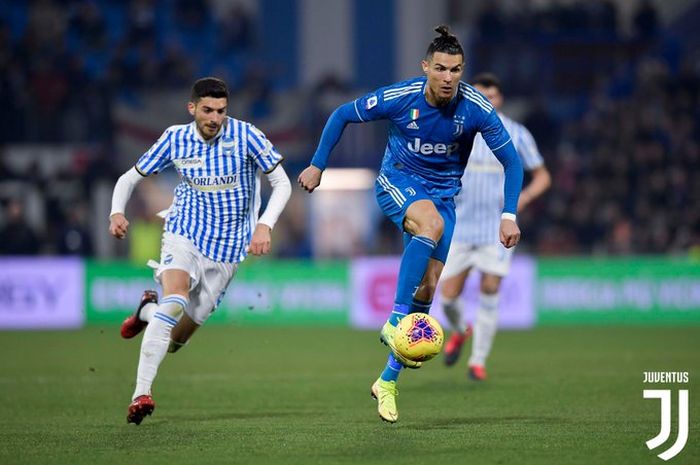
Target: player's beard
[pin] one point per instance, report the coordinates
(208, 132)
(440, 97)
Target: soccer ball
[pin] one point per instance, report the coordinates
(418, 337)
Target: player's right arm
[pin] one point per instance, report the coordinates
(118, 224)
(368, 108)
(151, 162)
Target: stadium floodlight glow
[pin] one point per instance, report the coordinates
(347, 179)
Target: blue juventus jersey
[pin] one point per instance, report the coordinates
(217, 202)
(481, 200)
(431, 144)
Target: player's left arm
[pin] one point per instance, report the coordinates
(500, 143)
(269, 161)
(310, 178)
(540, 179)
(281, 191)
(370, 107)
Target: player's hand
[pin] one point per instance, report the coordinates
(509, 233)
(260, 243)
(118, 225)
(310, 178)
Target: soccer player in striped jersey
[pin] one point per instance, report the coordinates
(434, 120)
(210, 227)
(475, 241)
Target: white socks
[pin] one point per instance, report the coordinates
(484, 328)
(453, 309)
(147, 311)
(162, 318)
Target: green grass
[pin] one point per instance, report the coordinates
(301, 396)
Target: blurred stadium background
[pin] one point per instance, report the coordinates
(610, 90)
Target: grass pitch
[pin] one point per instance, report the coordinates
(301, 396)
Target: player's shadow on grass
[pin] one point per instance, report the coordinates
(448, 423)
(233, 416)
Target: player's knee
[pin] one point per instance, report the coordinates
(173, 305)
(490, 284)
(433, 227)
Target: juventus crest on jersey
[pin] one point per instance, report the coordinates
(217, 203)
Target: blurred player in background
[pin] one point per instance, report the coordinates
(434, 120)
(475, 243)
(211, 226)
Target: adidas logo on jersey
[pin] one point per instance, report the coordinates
(412, 125)
(428, 148)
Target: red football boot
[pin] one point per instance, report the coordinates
(477, 373)
(133, 324)
(454, 346)
(139, 408)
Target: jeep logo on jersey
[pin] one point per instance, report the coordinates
(213, 183)
(429, 149)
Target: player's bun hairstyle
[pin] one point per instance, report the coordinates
(487, 80)
(444, 43)
(209, 87)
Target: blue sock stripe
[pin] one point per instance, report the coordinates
(401, 309)
(163, 317)
(391, 369)
(422, 307)
(425, 240)
(176, 299)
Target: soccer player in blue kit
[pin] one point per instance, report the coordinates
(434, 120)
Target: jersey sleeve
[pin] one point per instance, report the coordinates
(494, 133)
(261, 150)
(527, 149)
(158, 157)
(372, 107)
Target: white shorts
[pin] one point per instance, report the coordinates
(208, 279)
(491, 258)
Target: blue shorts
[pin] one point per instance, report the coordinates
(395, 193)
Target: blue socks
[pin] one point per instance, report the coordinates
(414, 262)
(392, 369)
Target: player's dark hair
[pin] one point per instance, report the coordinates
(487, 80)
(209, 87)
(444, 43)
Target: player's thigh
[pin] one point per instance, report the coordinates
(423, 219)
(460, 259)
(178, 270)
(395, 194)
(175, 281)
(494, 259)
(207, 296)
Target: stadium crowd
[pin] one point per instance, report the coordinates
(622, 143)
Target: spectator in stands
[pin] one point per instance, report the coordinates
(16, 236)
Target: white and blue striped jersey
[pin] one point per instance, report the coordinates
(431, 144)
(217, 202)
(480, 203)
